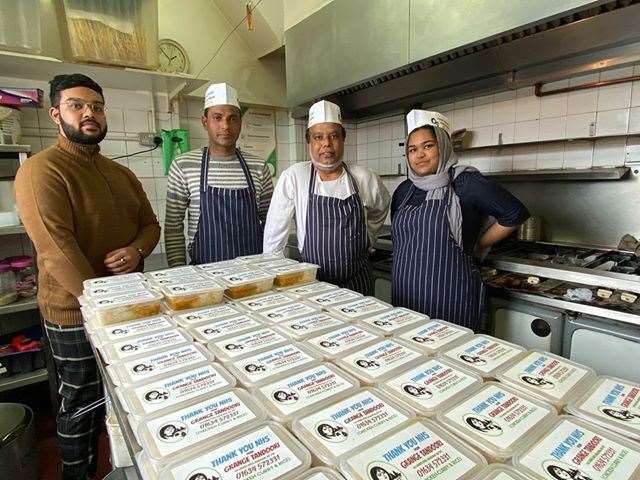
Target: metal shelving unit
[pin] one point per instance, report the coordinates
(23, 379)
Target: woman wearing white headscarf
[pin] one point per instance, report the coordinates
(437, 216)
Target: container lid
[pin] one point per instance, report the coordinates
(321, 473)
(173, 272)
(164, 436)
(342, 341)
(287, 312)
(293, 274)
(359, 308)
(247, 344)
(215, 270)
(109, 302)
(574, 449)
(421, 449)
(183, 289)
(340, 428)
(304, 327)
(268, 449)
(279, 262)
(221, 264)
(287, 267)
(496, 419)
(612, 403)
(167, 393)
(208, 314)
(145, 369)
(113, 280)
(383, 359)
(434, 336)
(333, 297)
(22, 262)
(548, 377)
(206, 332)
(135, 347)
(485, 355)
(309, 289)
(247, 277)
(267, 366)
(305, 391)
(121, 331)
(264, 301)
(393, 321)
(261, 257)
(179, 279)
(501, 472)
(431, 385)
(100, 291)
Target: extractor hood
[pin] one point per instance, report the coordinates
(585, 36)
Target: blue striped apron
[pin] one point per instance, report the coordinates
(229, 225)
(431, 274)
(336, 238)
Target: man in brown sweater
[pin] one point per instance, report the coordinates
(87, 216)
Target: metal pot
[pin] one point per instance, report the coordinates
(531, 230)
(17, 437)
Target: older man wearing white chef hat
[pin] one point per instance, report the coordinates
(338, 210)
(225, 192)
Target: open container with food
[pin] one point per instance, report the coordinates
(246, 344)
(301, 328)
(272, 364)
(145, 326)
(333, 297)
(496, 419)
(612, 403)
(141, 370)
(433, 336)
(501, 472)
(210, 331)
(264, 301)
(187, 296)
(167, 435)
(308, 290)
(577, 450)
(430, 386)
(321, 473)
(484, 355)
(135, 347)
(113, 280)
(295, 274)
(421, 449)
(359, 308)
(210, 314)
(548, 377)
(108, 310)
(244, 284)
(380, 361)
(302, 392)
(394, 321)
(287, 312)
(335, 431)
(342, 341)
(267, 449)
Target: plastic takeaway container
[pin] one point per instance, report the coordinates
(287, 312)
(173, 272)
(342, 341)
(116, 333)
(244, 284)
(261, 257)
(308, 290)
(265, 301)
(143, 345)
(192, 317)
(246, 344)
(117, 289)
(301, 328)
(360, 308)
(434, 336)
(206, 332)
(296, 274)
(333, 297)
(108, 310)
(113, 280)
(188, 296)
(394, 321)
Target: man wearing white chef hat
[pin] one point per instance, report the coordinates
(437, 218)
(225, 192)
(338, 209)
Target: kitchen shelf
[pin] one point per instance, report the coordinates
(12, 230)
(542, 142)
(613, 173)
(23, 379)
(15, 148)
(19, 306)
(37, 67)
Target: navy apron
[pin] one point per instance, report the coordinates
(431, 274)
(229, 225)
(336, 239)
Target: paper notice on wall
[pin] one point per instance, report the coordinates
(258, 135)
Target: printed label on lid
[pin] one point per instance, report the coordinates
(301, 390)
(500, 417)
(548, 375)
(362, 306)
(278, 360)
(394, 319)
(332, 297)
(239, 345)
(173, 272)
(415, 452)
(434, 335)
(572, 452)
(213, 313)
(114, 280)
(351, 422)
(120, 288)
(193, 287)
(484, 354)
(308, 325)
(381, 358)
(215, 270)
(227, 326)
(147, 343)
(139, 327)
(259, 455)
(432, 383)
(180, 280)
(163, 362)
(342, 339)
(311, 288)
(287, 312)
(178, 388)
(238, 277)
(616, 402)
(203, 420)
(261, 302)
(130, 298)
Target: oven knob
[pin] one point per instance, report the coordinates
(540, 327)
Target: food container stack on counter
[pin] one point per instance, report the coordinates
(433, 336)
(187, 296)
(359, 308)
(110, 309)
(210, 331)
(342, 341)
(548, 377)
(242, 284)
(394, 321)
(293, 274)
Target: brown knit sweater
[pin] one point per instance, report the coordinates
(77, 206)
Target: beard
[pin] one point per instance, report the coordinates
(77, 136)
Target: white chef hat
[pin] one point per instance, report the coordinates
(324, 112)
(424, 118)
(220, 94)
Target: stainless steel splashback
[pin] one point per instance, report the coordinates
(584, 212)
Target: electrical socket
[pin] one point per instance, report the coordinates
(146, 139)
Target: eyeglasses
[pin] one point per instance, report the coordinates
(77, 105)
